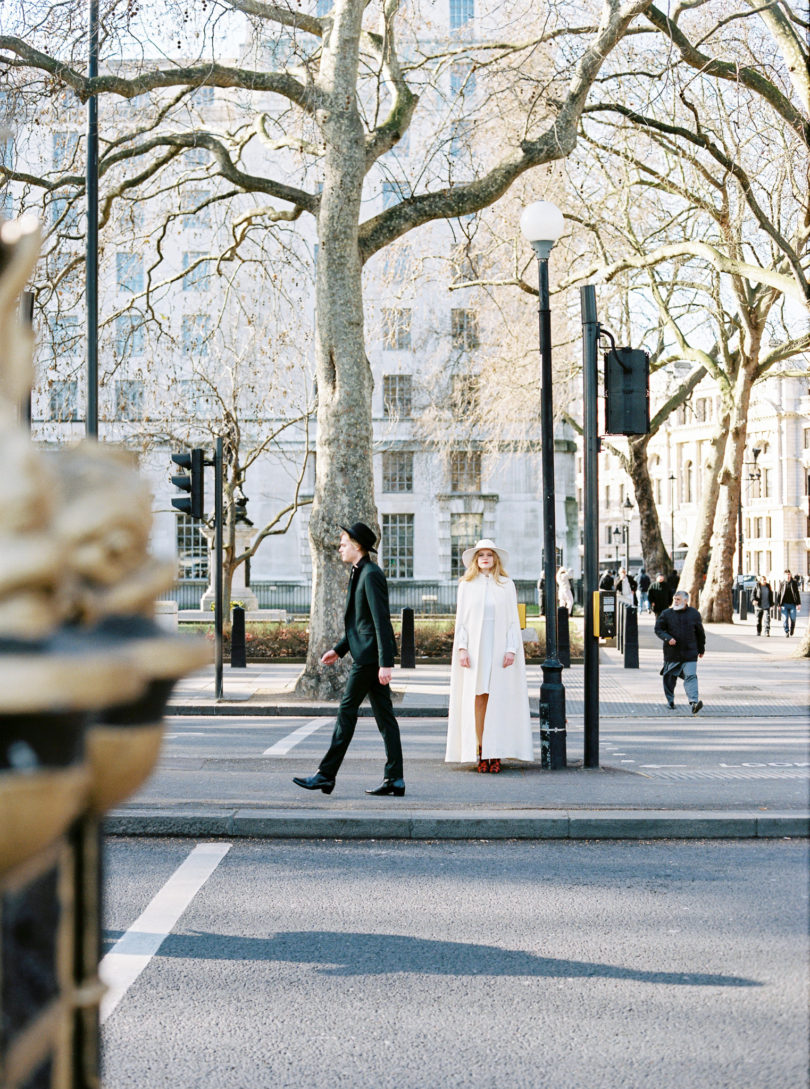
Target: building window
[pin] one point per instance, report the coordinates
(65, 146)
(7, 153)
(703, 409)
(192, 549)
(807, 438)
(194, 397)
(464, 329)
(203, 96)
(465, 471)
(197, 156)
(199, 216)
(686, 483)
(129, 271)
(607, 495)
(681, 414)
(196, 330)
(63, 401)
(462, 78)
(397, 471)
(464, 395)
(67, 214)
(397, 328)
(323, 7)
(397, 546)
(397, 396)
(392, 193)
(129, 338)
(766, 483)
(129, 399)
(66, 335)
(196, 278)
(461, 13)
(6, 205)
(465, 530)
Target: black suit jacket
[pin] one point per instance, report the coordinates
(369, 634)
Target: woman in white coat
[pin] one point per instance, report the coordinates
(565, 595)
(489, 717)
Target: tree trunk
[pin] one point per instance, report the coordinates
(653, 549)
(716, 604)
(344, 487)
(696, 563)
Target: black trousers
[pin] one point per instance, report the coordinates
(363, 681)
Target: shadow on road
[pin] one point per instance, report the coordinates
(334, 953)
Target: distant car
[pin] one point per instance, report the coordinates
(747, 581)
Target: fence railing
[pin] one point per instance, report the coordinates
(424, 597)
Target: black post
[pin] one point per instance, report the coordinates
(91, 258)
(564, 637)
(552, 692)
(218, 587)
(630, 637)
(238, 653)
(27, 319)
(590, 379)
(407, 645)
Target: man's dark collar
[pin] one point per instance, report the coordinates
(364, 559)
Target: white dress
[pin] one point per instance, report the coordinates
(507, 725)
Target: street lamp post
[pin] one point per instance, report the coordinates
(672, 479)
(627, 515)
(91, 191)
(618, 537)
(542, 224)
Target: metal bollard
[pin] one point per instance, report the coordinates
(630, 637)
(743, 603)
(238, 652)
(407, 648)
(563, 637)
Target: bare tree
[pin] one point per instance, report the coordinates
(346, 98)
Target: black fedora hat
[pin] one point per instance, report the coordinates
(364, 536)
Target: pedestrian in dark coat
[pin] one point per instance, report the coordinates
(681, 631)
(606, 581)
(673, 579)
(370, 638)
(660, 595)
(789, 601)
(763, 599)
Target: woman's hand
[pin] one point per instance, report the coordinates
(508, 659)
(464, 658)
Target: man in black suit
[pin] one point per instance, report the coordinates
(370, 638)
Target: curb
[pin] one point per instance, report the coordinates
(293, 710)
(462, 824)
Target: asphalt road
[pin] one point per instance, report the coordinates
(550, 965)
(250, 760)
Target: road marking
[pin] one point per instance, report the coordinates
(132, 952)
(281, 748)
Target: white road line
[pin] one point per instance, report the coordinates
(281, 748)
(132, 952)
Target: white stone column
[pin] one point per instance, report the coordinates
(239, 592)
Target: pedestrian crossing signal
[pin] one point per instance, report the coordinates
(627, 392)
(191, 482)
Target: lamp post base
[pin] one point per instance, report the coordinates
(552, 717)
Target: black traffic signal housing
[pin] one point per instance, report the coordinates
(191, 482)
(627, 392)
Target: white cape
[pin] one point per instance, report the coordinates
(507, 726)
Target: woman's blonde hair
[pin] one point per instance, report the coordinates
(473, 571)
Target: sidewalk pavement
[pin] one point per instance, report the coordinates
(744, 682)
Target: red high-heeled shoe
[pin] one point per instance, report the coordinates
(495, 766)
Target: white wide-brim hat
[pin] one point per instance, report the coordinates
(468, 553)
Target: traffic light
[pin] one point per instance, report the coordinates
(627, 393)
(191, 482)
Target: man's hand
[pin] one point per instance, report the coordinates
(464, 659)
(508, 659)
(385, 674)
(330, 657)
(701, 655)
(672, 642)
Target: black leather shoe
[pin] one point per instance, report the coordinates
(389, 786)
(316, 782)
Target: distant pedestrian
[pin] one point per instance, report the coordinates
(370, 638)
(541, 594)
(681, 631)
(488, 718)
(626, 587)
(673, 579)
(644, 582)
(660, 595)
(565, 595)
(606, 581)
(789, 601)
(763, 599)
